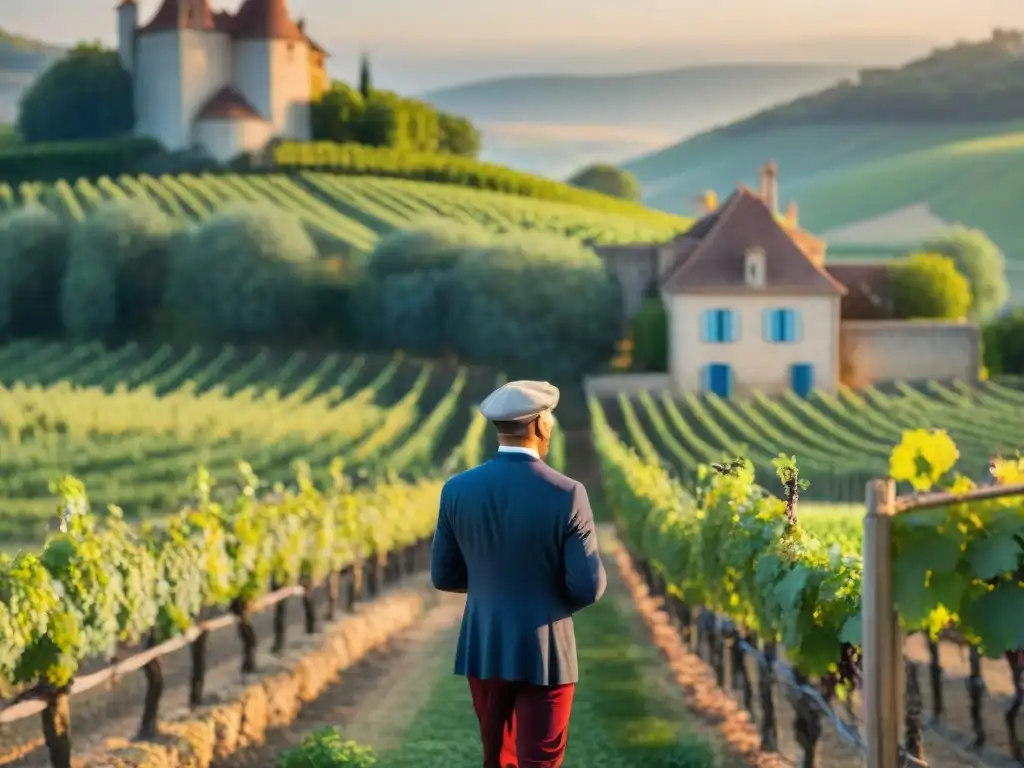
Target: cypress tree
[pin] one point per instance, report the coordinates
(365, 83)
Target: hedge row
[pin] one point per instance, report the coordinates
(358, 159)
(75, 159)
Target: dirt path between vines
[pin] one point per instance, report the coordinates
(376, 700)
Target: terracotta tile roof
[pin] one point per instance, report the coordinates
(180, 14)
(223, 21)
(227, 104)
(867, 289)
(711, 255)
(266, 20)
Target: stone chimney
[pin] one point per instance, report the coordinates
(793, 214)
(770, 186)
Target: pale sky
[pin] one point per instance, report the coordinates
(537, 34)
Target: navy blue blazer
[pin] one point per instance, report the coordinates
(519, 539)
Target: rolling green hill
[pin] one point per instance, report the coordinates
(943, 134)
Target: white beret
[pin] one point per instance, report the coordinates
(519, 401)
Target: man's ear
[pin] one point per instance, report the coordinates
(543, 427)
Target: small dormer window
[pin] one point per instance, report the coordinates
(754, 267)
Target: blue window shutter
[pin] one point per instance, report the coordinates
(786, 325)
(721, 325)
(730, 324)
(798, 330)
(707, 378)
(726, 381)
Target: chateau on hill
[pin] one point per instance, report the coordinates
(220, 82)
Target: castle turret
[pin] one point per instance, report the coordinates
(127, 24)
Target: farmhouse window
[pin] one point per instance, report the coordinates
(721, 326)
(782, 326)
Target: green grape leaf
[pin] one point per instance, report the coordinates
(790, 589)
(991, 556)
(998, 618)
(852, 630)
(947, 589)
(58, 555)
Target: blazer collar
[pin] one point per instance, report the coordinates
(519, 455)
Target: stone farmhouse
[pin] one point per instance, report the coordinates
(219, 82)
(752, 305)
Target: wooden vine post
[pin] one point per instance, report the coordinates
(882, 645)
(57, 729)
(197, 680)
(153, 671)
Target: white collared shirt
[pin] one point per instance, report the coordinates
(518, 449)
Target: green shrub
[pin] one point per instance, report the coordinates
(245, 273)
(117, 260)
(326, 748)
(650, 337)
(77, 159)
(33, 255)
(928, 285)
(360, 160)
(536, 304)
(608, 180)
(983, 264)
(404, 304)
(1003, 344)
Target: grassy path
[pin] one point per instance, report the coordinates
(623, 714)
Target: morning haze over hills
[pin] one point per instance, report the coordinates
(939, 140)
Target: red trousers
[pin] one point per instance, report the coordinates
(522, 725)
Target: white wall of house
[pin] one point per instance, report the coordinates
(224, 139)
(756, 364)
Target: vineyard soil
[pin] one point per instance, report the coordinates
(406, 703)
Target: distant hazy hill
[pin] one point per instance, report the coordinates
(943, 134)
(21, 61)
(553, 123)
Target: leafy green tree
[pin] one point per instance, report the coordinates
(33, 254)
(929, 285)
(404, 303)
(262, 285)
(609, 180)
(418, 127)
(337, 114)
(87, 94)
(650, 336)
(458, 135)
(380, 125)
(535, 304)
(365, 80)
(979, 260)
(117, 260)
(1003, 342)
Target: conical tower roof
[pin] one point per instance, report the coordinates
(266, 20)
(181, 14)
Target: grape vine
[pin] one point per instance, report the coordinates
(97, 582)
(741, 551)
